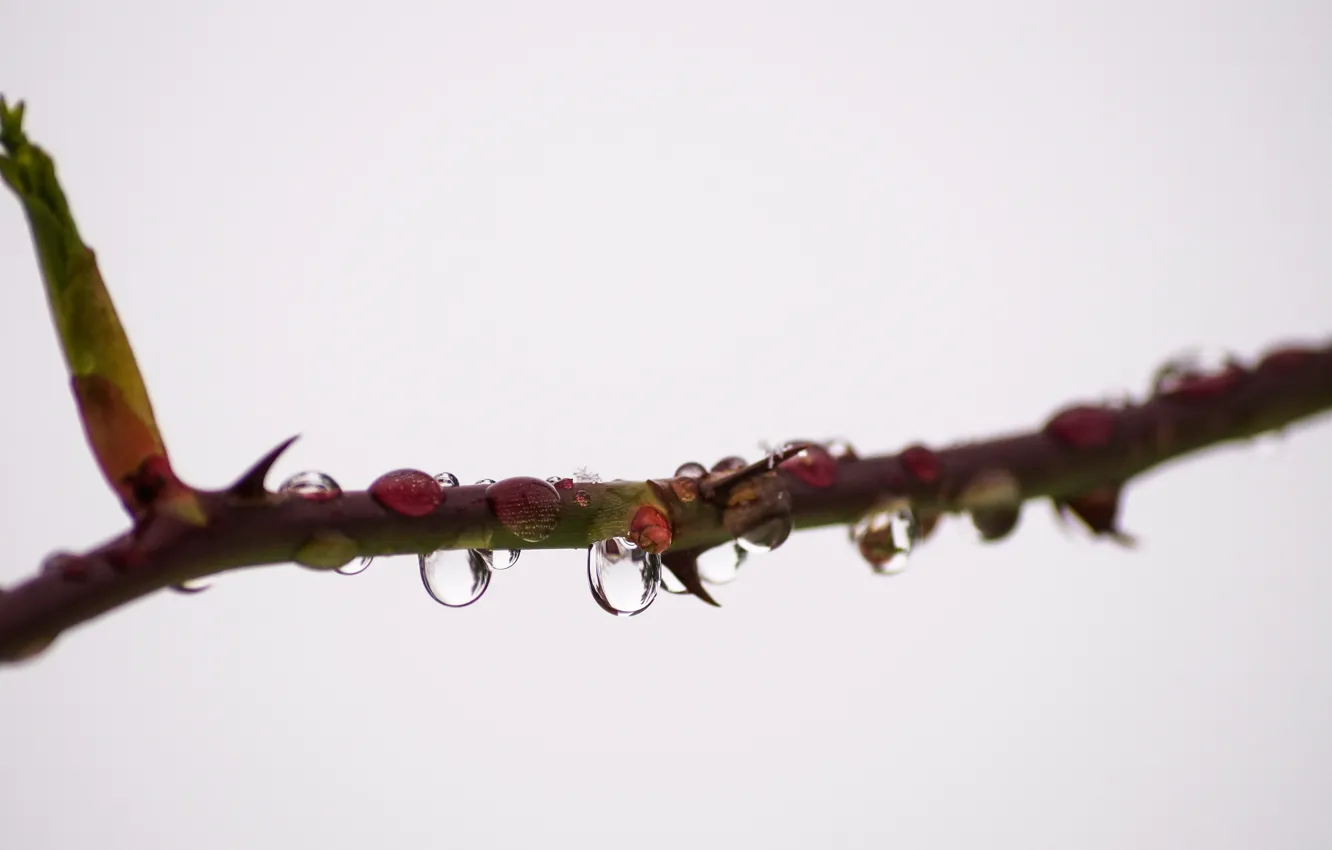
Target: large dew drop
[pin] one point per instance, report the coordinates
(886, 535)
(455, 577)
(529, 508)
(315, 486)
(624, 578)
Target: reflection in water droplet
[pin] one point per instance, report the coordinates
(766, 536)
(315, 486)
(691, 470)
(841, 450)
(624, 579)
(455, 577)
(528, 508)
(352, 568)
(721, 564)
(446, 479)
(886, 535)
(505, 559)
(670, 583)
(729, 464)
(1189, 366)
(193, 585)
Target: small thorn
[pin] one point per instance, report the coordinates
(251, 484)
(684, 566)
(712, 487)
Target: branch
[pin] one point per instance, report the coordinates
(1080, 458)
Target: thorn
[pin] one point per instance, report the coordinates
(251, 484)
(684, 566)
(714, 486)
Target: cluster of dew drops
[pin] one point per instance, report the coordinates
(624, 579)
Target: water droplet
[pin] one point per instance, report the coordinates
(1197, 373)
(455, 577)
(193, 585)
(560, 483)
(315, 486)
(448, 479)
(766, 536)
(922, 463)
(814, 465)
(691, 470)
(528, 507)
(624, 579)
(721, 564)
(729, 464)
(841, 450)
(409, 492)
(353, 568)
(505, 559)
(885, 534)
(670, 583)
(326, 550)
(583, 498)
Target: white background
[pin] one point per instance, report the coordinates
(517, 238)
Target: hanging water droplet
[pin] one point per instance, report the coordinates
(455, 577)
(886, 535)
(670, 583)
(315, 486)
(193, 585)
(502, 561)
(326, 550)
(446, 479)
(721, 564)
(352, 568)
(766, 536)
(624, 579)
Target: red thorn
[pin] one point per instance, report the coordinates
(1099, 511)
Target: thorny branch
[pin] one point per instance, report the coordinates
(1081, 459)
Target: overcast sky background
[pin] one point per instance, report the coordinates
(517, 238)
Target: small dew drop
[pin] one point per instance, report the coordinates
(583, 498)
(691, 470)
(624, 579)
(353, 568)
(506, 558)
(1200, 371)
(721, 564)
(841, 450)
(446, 479)
(886, 535)
(193, 585)
(315, 486)
(729, 464)
(455, 577)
